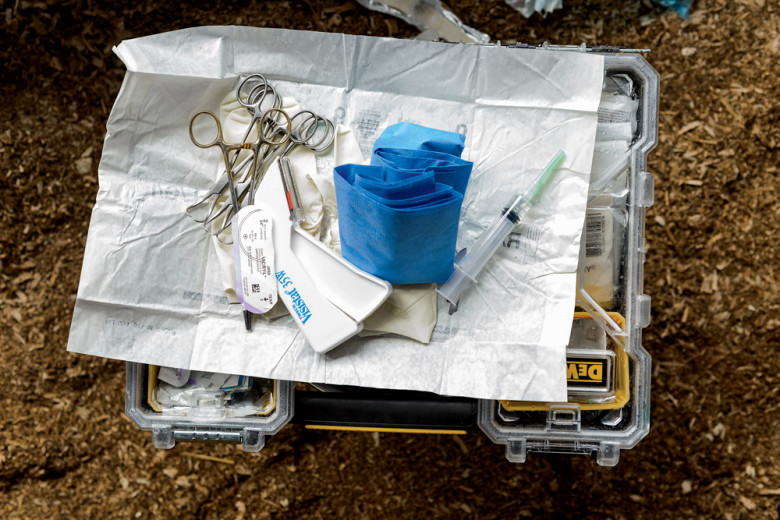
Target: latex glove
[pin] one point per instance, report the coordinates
(409, 311)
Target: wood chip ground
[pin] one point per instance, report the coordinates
(68, 451)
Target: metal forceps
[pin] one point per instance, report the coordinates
(268, 120)
(274, 132)
(253, 98)
(226, 148)
(211, 223)
(303, 134)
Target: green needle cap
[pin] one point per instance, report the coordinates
(546, 175)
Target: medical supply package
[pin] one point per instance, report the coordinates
(150, 288)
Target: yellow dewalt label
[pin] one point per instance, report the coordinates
(585, 371)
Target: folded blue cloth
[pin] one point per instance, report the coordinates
(416, 137)
(398, 217)
(447, 168)
(403, 230)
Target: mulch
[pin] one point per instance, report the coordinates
(67, 450)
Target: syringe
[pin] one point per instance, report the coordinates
(476, 257)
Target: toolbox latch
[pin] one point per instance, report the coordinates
(564, 417)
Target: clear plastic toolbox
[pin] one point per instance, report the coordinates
(247, 412)
(608, 370)
(603, 415)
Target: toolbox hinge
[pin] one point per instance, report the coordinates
(643, 310)
(644, 195)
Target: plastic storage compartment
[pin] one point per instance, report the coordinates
(603, 416)
(608, 371)
(247, 412)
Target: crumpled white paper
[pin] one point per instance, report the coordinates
(150, 290)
